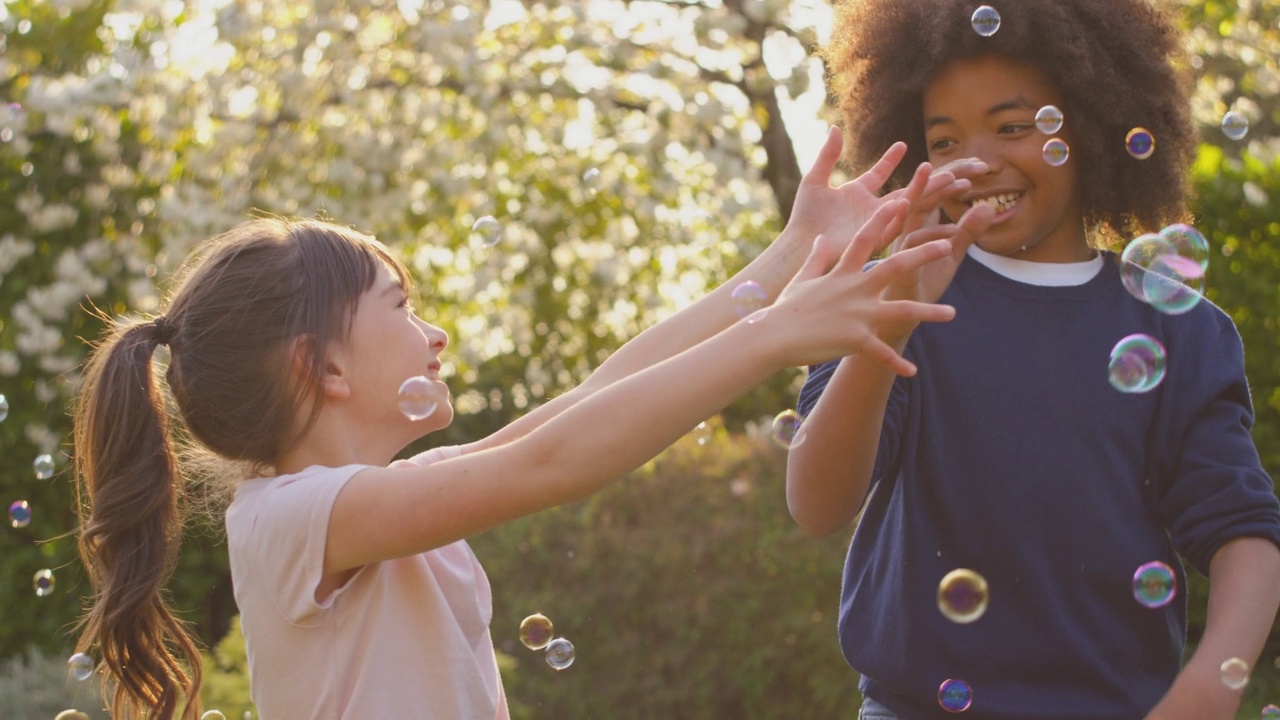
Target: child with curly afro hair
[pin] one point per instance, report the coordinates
(1022, 516)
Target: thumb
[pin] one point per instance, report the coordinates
(821, 257)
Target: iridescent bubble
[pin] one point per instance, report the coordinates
(1137, 364)
(71, 715)
(1271, 712)
(560, 653)
(43, 582)
(1140, 143)
(702, 433)
(748, 298)
(1166, 270)
(43, 467)
(788, 429)
(536, 631)
(1235, 673)
(1049, 119)
(1188, 242)
(19, 513)
(955, 695)
(1056, 152)
(4, 408)
(962, 596)
(418, 397)
(1235, 125)
(487, 230)
(1154, 584)
(985, 21)
(80, 666)
(213, 715)
(591, 180)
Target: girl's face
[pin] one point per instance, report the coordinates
(985, 108)
(387, 345)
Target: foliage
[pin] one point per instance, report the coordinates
(226, 676)
(36, 686)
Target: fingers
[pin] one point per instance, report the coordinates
(965, 168)
(828, 156)
(821, 257)
(908, 261)
(879, 174)
(883, 225)
(973, 223)
(881, 351)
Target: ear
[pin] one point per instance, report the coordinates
(333, 377)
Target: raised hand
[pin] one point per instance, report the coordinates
(838, 309)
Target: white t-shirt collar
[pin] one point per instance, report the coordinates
(1038, 273)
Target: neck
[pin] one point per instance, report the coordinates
(336, 440)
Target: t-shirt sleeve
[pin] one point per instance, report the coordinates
(282, 534)
(1213, 488)
(887, 452)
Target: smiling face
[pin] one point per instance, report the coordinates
(985, 108)
(387, 345)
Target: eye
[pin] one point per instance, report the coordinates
(1015, 128)
(941, 145)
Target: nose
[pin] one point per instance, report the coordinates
(436, 337)
(987, 150)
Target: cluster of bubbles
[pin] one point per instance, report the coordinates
(1137, 364)
(418, 397)
(537, 633)
(1166, 269)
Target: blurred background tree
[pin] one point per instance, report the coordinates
(634, 154)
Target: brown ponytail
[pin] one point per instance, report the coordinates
(129, 488)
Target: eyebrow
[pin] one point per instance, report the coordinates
(393, 287)
(1017, 103)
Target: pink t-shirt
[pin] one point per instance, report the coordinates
(404, 638)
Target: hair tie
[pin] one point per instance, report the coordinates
(164, 330)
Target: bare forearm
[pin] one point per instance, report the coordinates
(828, 474)
(1244, 594)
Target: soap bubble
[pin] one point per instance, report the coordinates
(1154, 584)
(1235, 673)
(213, 715)
(1166, 270)
(418, 397)
(788, 429)
(748, 298)
(536, 631)
(4, 408)
(985, 21)
(1137, 364)
(487, 230)
(19, 513)
(1271, 712)
(591, 180)
(1188, 242)
(1049, 119)
(962, 596)
(560, 654)
(80, 666)
(1056, 152)
(43, 582)
(1235, 125)
(955, 696)
(1140, 143)
(43, 467)
(71, 715)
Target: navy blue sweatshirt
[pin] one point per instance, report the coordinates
(1011, 454)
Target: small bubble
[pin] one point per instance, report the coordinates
(788, 429)
(702, 433)
(748, 298)
(6, 135)
(1271, 712)
(963, 596)
(26, 169)
(43, 467)
(955, 695)
(71, 715)
(560, 653)
(536, 631)
(1235, 125)
(487, 230)
(591, 180)
(1137, 364)
(418, 397)
(985, 21)
(1140, 143)
(1056, 152)
(1235, 673)
(43, 582)
(19, 513)
(1154, 585)
(24, 27)
(80, 666)
(4, 408)
(1049, 120)
(213, 715)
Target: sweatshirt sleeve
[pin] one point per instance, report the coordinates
(1213, 488)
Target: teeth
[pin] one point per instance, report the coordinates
(999, 202)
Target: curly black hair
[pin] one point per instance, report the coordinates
(1119, 64)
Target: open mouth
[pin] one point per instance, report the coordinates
(1000, 203)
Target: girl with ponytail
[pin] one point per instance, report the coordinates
(359, 597)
